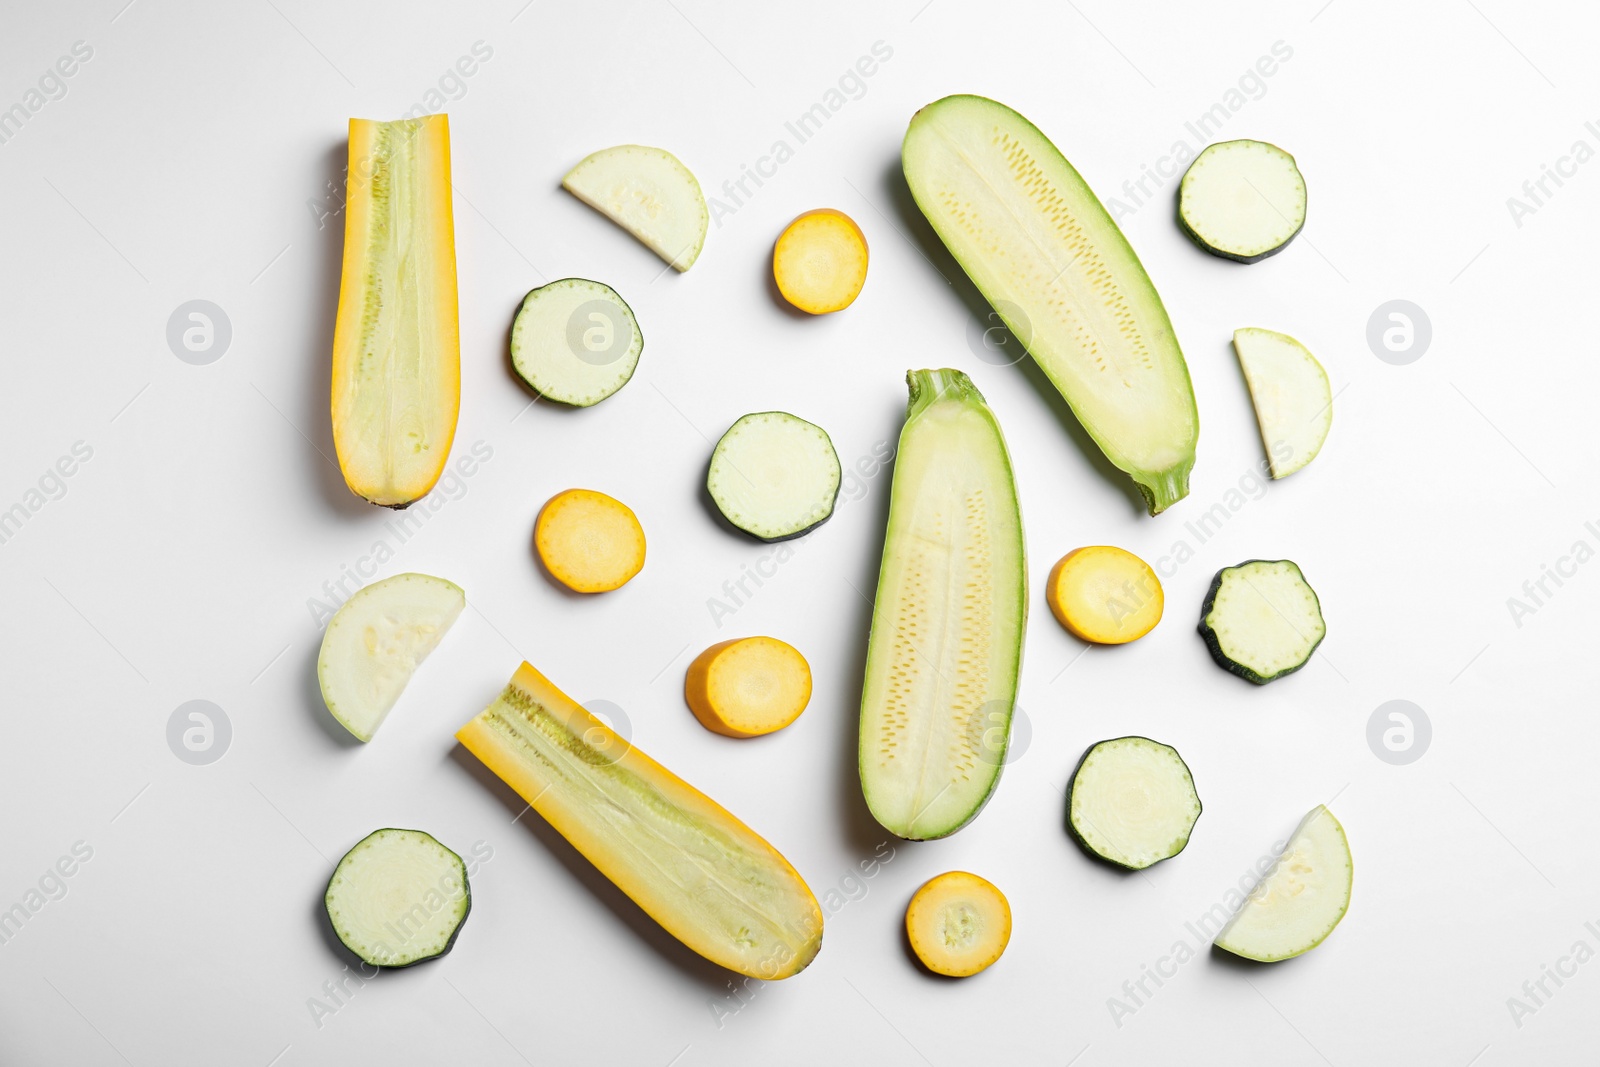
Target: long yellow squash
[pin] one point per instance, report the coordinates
(706, 877)
(396, 345)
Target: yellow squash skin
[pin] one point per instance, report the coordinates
(396, 344)
(706, 877)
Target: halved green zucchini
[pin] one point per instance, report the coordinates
(398, 897)
(774, 475)
(1261, 619)
(1242, 200)
(1132, 802)
(575, 341)
(1036, 242)
(376, 641)
(946, 643)
(1301, 899)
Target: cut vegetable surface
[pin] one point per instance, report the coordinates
(589, 542)
(774, 475)
(399, 897)
(706, 877)
(1043, 251)
(947, 625)
(958, 924)
(376, 640)
(1261, 619)
(396, 342)
(1132, 802)
(820, 261)
(575, 342)
(748, 686)
(1291, 394)
(1105, 595)
(649, 193)
(1242, 200)
(1301, 899)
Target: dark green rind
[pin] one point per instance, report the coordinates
(1204, 246)
(450, 943)
(1083, 842)
(832, 504)
(1216, 648)
(638, 332)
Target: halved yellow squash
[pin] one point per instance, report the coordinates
(706, 877)
(396, 344)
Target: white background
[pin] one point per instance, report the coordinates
(180, 561)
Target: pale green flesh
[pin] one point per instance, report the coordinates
(946, 643)
(649, 193)
(1291, 395)
(713, 883)
(398, 897)
(1133, 802)
(376, 641)
(1043, 251)
(575, 341)
(774, 475)
(1265, 617)
(1300, 900)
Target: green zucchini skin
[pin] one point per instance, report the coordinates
(466, 902)
(1210, 636)
(1072, 785)
(1200, 242)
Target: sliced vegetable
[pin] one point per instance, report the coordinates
(575, 342)
(650, 194)
(1132, 802)
(820, 261)
(1105, 595)
(1302, 898)
(1291, 394)
(376, 641)
(589, 542)
(958, 924)
(396, 342)
(947, 625)
(1261, 619)
(749, 686)
(706, 877)
(1043, 251)
(774, 475)
(1242, 200)
(398, 897)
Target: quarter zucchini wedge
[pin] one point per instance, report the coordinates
(396, 342)
(1132, 802)
(1302, 898)
(1242, 200)
(1291, 395)
(1034, 239)
(706, 877)
(649, 193)
(376, 641)
(947, 625)
(1261, 619)
(398, 897)
(575, 341)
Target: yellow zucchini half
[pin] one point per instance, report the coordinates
(706, 877)
(396, 345)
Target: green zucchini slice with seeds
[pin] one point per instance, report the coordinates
(1242, 200)
(1261, 619)
(1132, 802)
(575, 341)
(398, 897)
(774, 475)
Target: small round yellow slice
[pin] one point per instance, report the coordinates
(748, 687)
(1105, 595)
(589, 542)
(958, 924)
(820, 261)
